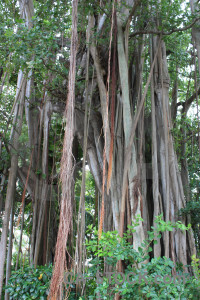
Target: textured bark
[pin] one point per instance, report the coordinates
(172, 189)
(127, 122)
(157, 210)
(66, 171)
(44, 189)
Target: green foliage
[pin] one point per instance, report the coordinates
(196, 268)
(89, 184)
(192, 209)
(185, 135)
(30, 283)
(148, 280)
(89, 195)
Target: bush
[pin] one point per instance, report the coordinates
(149, 279)
(30, 283)
(143, 279)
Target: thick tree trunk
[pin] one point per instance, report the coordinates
(168, 195)
(156, 194)
(172, 189)
(44, 191)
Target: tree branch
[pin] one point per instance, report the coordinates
(188, 102)
(136, 3)
(163, 32)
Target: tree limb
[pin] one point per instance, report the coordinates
(188, 102)
(163, 32)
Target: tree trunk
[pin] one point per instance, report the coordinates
(27, 13)
(11, 180)
(9, 254)
(44, 191)
(20, 240)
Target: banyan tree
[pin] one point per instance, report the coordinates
(107, 77)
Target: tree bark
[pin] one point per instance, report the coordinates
(9, 254)
(20, 240)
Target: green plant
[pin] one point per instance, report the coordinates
(196, 267)
(30, 283)
(142, 279)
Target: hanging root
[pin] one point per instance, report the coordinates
(66, 171)
(112, 105)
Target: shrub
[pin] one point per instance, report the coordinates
(30, 283)
(149, 280)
